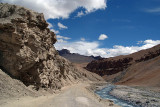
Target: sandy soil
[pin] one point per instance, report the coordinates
(145, 73)
(70, 96)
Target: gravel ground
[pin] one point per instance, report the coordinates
(137, 95)
(70, 96)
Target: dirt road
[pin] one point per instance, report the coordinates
(72, 96)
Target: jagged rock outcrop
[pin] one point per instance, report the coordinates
(27, 51)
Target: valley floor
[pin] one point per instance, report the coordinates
(70, 96)
(140, 96)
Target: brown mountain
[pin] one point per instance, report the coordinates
(77, 58)
(140, 68)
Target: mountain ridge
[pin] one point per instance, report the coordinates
(115, 69)
(77, 58)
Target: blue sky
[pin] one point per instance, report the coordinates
(125, 26)
(124, 21)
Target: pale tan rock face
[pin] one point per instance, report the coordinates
(27, 51)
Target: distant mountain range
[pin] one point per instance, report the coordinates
(77, 58)
(140, 68)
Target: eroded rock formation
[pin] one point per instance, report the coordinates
(27, 51)
(109, 67)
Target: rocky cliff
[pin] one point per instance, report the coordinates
(27, 52)
(109, 67)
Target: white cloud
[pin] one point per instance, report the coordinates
(83, 39)
(81, 47)
(50, 26)
(102, 37)
(79, 14)
(55, 31)
(61, 26)
(61, 41)
(149, 41)
(62, 37)
(92, 48)
(59, 8)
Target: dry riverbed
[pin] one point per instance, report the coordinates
(139, 96)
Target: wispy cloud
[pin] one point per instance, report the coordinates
(61, 41)
(153, 10)
(93, 48)
(55, 31)
(62, 37)
(61, 26)
(79, 14)
(51, 27)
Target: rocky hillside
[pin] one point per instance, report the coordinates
(145, 73)
(10, 88)
(124, 68)
(27, 52)
(77, 58)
